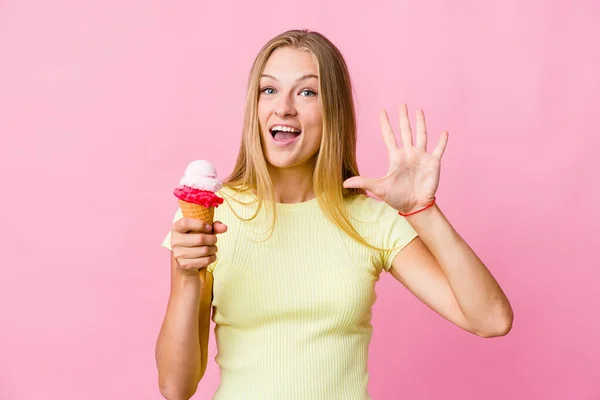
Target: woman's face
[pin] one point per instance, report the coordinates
(289, 112)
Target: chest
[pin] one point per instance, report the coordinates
(295, 278)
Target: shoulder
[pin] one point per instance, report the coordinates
(236, 203)
(178, 215)
(362, 206)
(235, 193)
(371, 216)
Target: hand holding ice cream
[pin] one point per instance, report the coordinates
(197, 200)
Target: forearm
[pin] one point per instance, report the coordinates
(478, 294)
(178, 351)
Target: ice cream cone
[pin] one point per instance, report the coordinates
(196, 196)
(197, 211)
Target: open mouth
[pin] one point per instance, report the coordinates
(285, 134)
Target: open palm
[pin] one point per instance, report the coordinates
(414, 174)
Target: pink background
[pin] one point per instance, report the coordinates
(102, 104)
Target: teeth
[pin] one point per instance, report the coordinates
(284, 129)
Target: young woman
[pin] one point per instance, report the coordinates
(292, 287)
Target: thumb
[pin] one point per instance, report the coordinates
(358, 182)
(219, 227)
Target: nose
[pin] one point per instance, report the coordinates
(285, 107)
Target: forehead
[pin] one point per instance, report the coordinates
(288, 62)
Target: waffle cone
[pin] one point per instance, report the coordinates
(196, 211)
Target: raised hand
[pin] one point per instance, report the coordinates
(414, 174)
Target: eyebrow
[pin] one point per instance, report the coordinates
(302, 78)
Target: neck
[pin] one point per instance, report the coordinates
(292, 185)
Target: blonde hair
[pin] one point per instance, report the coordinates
(336, 158)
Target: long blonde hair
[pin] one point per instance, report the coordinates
(336, 158)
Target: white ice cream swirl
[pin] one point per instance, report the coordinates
(201, 175)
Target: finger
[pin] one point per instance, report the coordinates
(405, 132)
(193, 239)
(185, 225)
(386, 130)
(195, 252)
(219, 227)
(191, 264)
(358, 182)
(441, 145)
(421, 136)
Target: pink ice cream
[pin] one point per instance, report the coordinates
(199, 184)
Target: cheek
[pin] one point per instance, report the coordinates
(315, 119)
(262, 130)
(262, 112)
(316, 137)
(318, 128)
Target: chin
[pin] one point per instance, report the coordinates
(285, 163)
(292, 156)
(277, 162)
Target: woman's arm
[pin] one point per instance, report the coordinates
(438, 266)
(442, 270)
(181, 348)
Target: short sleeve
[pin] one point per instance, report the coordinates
(391, 231)
(167, 241)
(396, 233)
(382, 227)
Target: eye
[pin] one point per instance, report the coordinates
(268, 90)
(307, 93)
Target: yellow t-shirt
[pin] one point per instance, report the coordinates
(292, 313)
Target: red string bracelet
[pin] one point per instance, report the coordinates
(418, 211)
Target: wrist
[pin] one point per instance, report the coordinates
(188, 277)
(418, 209)
(424, 214)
